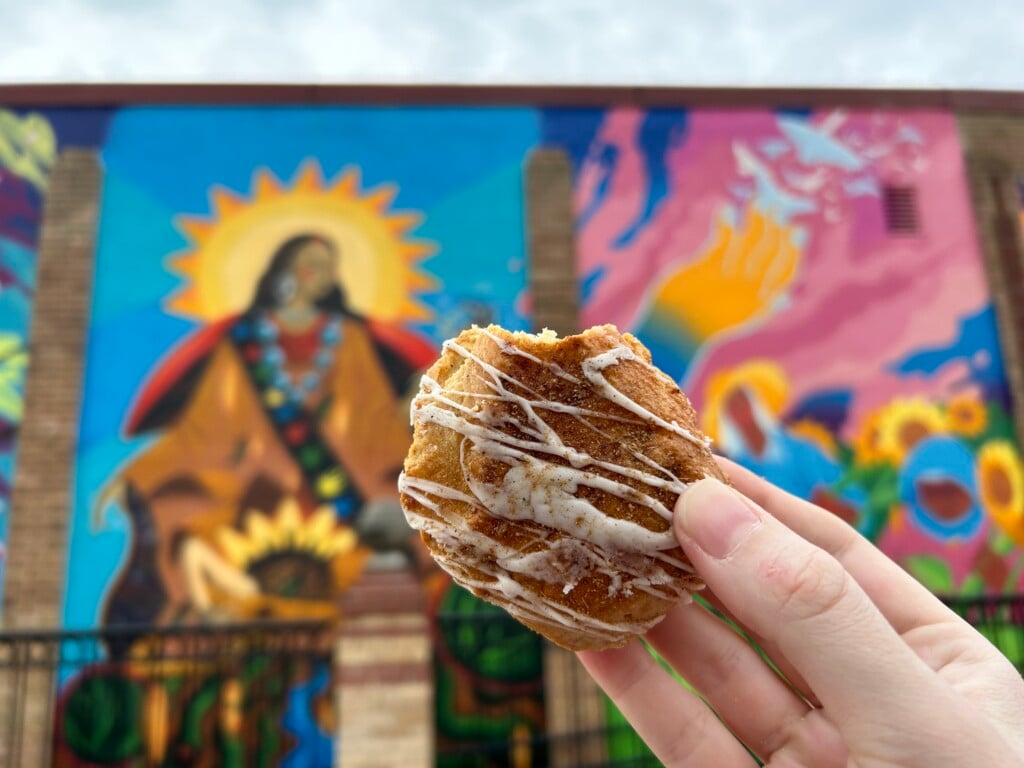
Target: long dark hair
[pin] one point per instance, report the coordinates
(267, 292)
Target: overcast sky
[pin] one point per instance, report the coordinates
(924, 43)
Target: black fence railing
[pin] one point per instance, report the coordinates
(1000, 618)
(129, 696)
(261, 694)
(531, 705)
(613, 743)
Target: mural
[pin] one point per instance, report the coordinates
(489, 686)
(28, 149)
(252, 706)
(269, 284)
(813, 281)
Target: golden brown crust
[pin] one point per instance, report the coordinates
(542, 369)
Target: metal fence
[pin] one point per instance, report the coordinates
(614, 744)
(217, 695)
(1000, 618)
(155, 696)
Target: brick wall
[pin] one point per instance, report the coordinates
(993, 147)
(42, 482)
(554, 288)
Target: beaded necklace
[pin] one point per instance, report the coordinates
(296, 391)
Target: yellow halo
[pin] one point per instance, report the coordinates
(1001, 482)
(761, 378)
(966, 415)
(379, 264)
(904, 423)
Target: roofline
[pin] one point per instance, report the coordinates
(113, 95)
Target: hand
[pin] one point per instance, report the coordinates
(881, 673)
(115, 492)
(737, 279)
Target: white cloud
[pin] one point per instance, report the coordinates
(929, 43)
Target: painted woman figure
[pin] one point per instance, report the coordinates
(298, 398)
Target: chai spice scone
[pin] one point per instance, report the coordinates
(542, 476)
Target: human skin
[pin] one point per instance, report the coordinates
(881, 673)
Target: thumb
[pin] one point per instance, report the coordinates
(800, 597)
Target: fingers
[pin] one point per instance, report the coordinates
(675, 724)
(780, 271)
(788, 671)
(900, 597)
(761, 252)
(798, 596)
(756, 704)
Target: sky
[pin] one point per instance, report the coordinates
(892, 43)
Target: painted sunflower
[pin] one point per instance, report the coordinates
(1001, 482)
(966, 415)
(296, 560)
(763, 379)
(867, 448)
(904, 423)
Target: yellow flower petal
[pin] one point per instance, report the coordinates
(1001, 484)
(866, 444)
(319, 526)
(261, 532)
(338, 543)
(904, 423)
(289, 519)
(235, 546)
(966, 415)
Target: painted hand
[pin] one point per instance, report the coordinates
(736, 280)
(882, 673)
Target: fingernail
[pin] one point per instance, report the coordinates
(715, 517)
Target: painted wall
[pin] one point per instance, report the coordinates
(269, 283)
(29, 144)
(28, 148)
(851, 364)
(245, 398)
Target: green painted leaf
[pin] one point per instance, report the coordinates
(1002, 545)
(101, 719)
(973, 585)
(931, 572)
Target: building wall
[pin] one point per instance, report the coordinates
(195, 497)
(31, 141)
(28, 150)
(850, 358)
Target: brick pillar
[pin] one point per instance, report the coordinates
(572, 701)
(554, 286)
(41, 497)
(385, 691)
(994, 155)
(575, 708)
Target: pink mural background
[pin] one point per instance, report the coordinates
(846, 350)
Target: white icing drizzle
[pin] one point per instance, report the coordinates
(508, 348)
(594, 368)
(570, 538)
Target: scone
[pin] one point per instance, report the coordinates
(542, 477)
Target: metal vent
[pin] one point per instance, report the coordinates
(899, 204)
